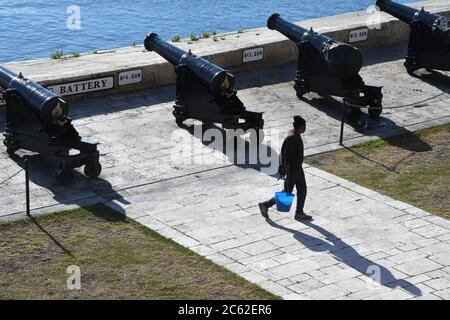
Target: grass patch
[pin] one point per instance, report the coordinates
(59, 54)
(176, 38)
(194, 37)
(119, 259)
(205, 35)
(414, 167)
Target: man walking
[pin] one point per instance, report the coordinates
(292, 153)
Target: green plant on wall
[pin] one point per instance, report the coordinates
(193, 37)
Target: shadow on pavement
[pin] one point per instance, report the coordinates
(245, 154)
(362, 123)
(435, 78)
(80, 190)
(343, 252)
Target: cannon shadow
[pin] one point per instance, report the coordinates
(80, 190)
(439, 80)
(363, 124)
(346, 254)
(241, 156)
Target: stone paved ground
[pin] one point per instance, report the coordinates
(211, 208)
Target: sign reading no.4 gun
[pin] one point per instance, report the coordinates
(130, 77)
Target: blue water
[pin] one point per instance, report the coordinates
(34, 29)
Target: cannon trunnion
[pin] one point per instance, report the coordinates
(204, 91)
(37, 120)
(429, 39)
(328, 67)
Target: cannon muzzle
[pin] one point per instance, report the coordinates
(290, 30)
(50, 108)
(400, 11)
(408, 14)
(214, 77)
(169, 52)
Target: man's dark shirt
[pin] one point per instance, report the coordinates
(292, 151)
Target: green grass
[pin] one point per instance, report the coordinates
(205, 35)
(194, 37)
(119, 259)
(59, 54)
(176, 38)
(414, 167)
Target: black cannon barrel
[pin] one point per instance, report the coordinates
(344, 60)
(47, 105)
(295, 32)
(169, 52)
(216, 78)
(407, 14)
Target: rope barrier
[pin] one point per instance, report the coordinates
(7, 179)
(402, 106)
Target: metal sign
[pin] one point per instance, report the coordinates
(68, 89)
(358, 35)
(254, 54)
(129, 77)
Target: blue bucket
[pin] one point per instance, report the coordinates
(284, 201)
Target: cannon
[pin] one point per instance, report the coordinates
(37, 120)
(328, 67)
(204, 91)
(429, 39)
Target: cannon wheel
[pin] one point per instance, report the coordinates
(92, 170)
(179, 119)
(300, 92)
(375, 109)
(11, 151)
(411, 68)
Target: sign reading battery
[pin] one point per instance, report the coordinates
(68, 89)
(129, 77)
(254, 54)
(2, 101)
(358, 35)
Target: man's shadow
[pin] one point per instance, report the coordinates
(363, 124)
(240, 151)
(343, 252)
(79, 190)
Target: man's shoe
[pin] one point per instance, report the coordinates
(264, 210)
(302, 216)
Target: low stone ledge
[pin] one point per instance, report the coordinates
(155, 71)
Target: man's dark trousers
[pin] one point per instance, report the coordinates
(294, 178)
